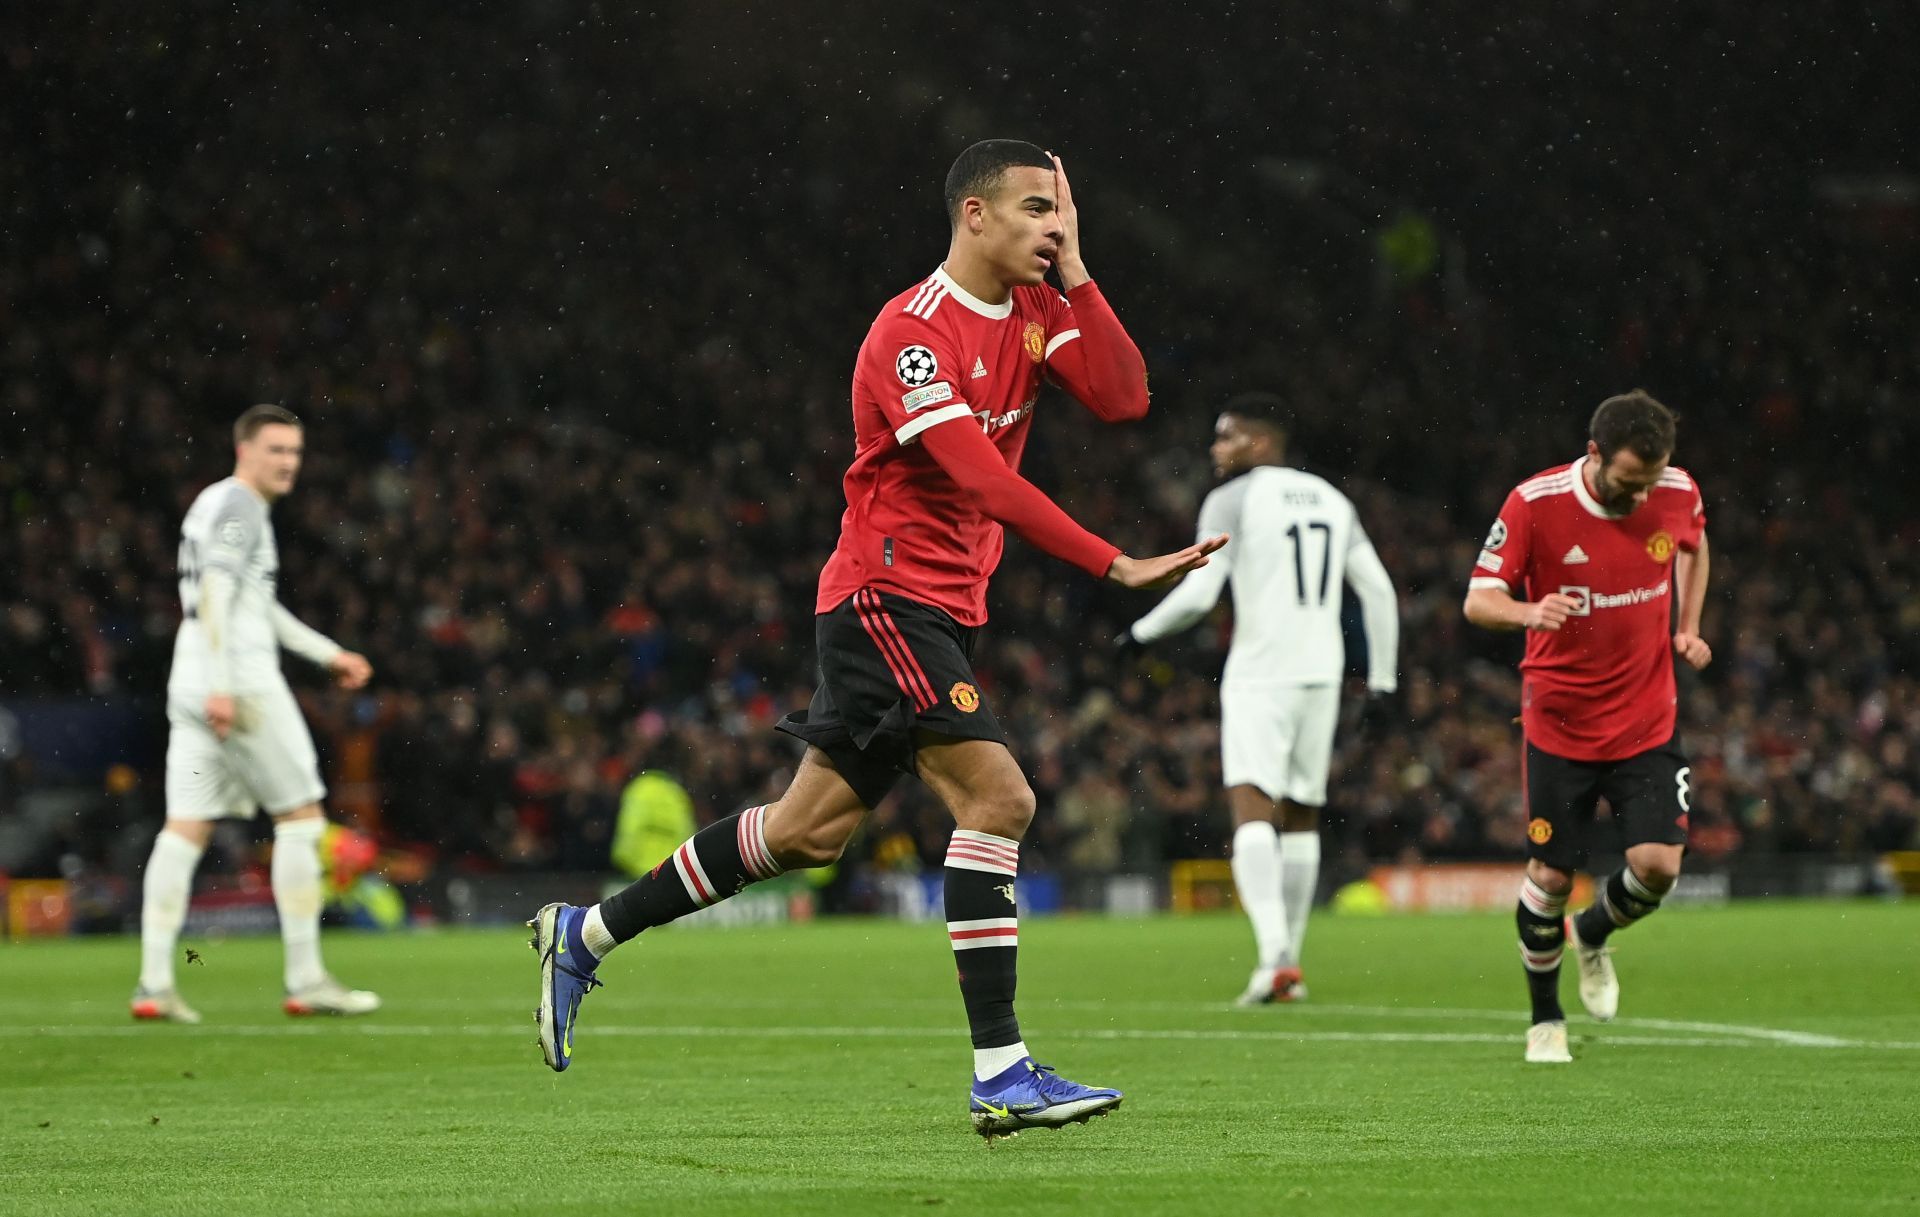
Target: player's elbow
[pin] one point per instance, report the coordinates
(1128, 406)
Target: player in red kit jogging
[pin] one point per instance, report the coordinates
(944, 393)
(1604, 563)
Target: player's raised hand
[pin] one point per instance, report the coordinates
(350, 670)
(1073, 271)
(1550, 612)
(1693, 649)
(1165, 570)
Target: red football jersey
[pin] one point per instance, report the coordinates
(1600, 688)
(935, 355)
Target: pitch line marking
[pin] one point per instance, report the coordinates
(618, 1031)
(1778, 1035)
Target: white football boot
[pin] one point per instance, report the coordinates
(1599, 986)
(163, 1005)
(330, 997)
(1547, 1044)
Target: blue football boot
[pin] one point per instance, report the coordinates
(1031, 1095)
(566, 976)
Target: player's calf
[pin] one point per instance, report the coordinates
(1541, 918)
(1624, 898)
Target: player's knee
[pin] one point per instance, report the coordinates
(1658, 876)
(1004, 813)
(1656, 866)
(1550, 879)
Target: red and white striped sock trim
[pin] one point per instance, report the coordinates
(1541, 961)
(984, 932)
(687, 862)
(752, 833)
(1540, 902)
(983, 852)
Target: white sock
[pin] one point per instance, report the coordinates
(1256, 877)
(1299, 876)
(296, 893)
(165, 890)
(593, 932)
(988, 1062)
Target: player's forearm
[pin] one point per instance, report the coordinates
(1379, 613)
(1073, 272)
(1019, 504)
(302, 639)
(1494, 608)
(1002, 495)
(1185, 606)
(1690, 578)
(1381, 616)
(1111, 375)
(218, 589)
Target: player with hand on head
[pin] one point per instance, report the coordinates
(1297, 541)
(1604, 563)
(236, 740)
(944, 392)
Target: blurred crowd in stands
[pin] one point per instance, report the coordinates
(569, 303)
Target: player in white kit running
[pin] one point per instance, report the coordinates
(236, 741)
(1297, 541)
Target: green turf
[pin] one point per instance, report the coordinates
(1767, 1061)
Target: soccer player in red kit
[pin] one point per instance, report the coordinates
(944, 393)
(1604, 563)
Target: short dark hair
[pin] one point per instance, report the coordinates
(977, 171)
(248, 424)
(1636, 422)
(1263, 411)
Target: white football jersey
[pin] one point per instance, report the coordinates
(228, 527)
(1295, 542)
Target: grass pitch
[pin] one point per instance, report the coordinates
(1767, 1060)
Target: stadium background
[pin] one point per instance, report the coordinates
(569, 300)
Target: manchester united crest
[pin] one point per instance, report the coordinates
(1539, 832)
(965, 697)
(1660, 546)
(1035, 340)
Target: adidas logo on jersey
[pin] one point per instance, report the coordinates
(1574, 556)
(979, 367)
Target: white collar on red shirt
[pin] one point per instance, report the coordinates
(1584, 495)
(995, 312)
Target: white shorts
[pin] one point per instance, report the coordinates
(1279, 738)
(267, 760)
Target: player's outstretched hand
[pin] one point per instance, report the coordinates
(350, 670)
(1164, 571)
(1550, 612)
(1693, 649)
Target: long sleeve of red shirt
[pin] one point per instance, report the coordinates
(971, 460)
(1102, 368)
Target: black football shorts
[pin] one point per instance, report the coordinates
(1647, 793)
(889, 665)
